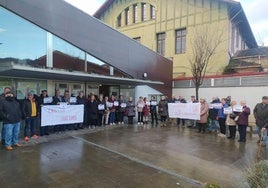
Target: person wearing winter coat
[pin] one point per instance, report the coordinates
(163, 110)
(261, 116)
(140, 106)
(81, 99)
(92, 112)
(230, 121)
(153, 111)
(11, 115)
(101, 110)
(112, 109)
(213, 115)
(121, 109)
(242, 121)
(30, 113)
(222, 118)
(130, 110)
(146, 110)
(203, 115)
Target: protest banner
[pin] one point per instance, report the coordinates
(61, 114)
(184, 110)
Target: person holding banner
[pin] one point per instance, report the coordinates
(179, 120)
(57, 99)
(242, 121)
(42, 100)
(163, 110)
(153, 104)
(203, 115)
(80, 99)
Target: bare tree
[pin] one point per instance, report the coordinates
(204, 45)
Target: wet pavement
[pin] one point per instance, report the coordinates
(129, 156)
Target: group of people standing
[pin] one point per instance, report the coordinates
(101, 111)
(98, 111)
(226, 113)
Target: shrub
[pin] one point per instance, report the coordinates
(257, 175)
(212, 185)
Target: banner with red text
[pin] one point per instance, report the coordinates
(61, 114)
(184, 110)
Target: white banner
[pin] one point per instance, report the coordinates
(61, 114)
(184, 110)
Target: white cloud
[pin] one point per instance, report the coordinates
(2, 30)
(87, 6)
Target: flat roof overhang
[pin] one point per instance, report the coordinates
(11, 69)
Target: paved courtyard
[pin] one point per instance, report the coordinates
(128, 156)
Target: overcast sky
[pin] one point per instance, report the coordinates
(256, 11)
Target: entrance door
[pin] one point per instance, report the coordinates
(104, 89)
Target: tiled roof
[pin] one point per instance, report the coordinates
(262, 51)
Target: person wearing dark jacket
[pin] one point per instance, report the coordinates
(41, 102)
(213, 115)
(92, 112)
(242, 121)
(2, 97)
(121, 109)
(10, 112)
(179, 120)
(57, 99)
(80, 99)
(30, 112)
(153, 111)
(261, 116)
(130, 110)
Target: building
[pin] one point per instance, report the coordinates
(170, 26)
(53, 45)
(249, 60)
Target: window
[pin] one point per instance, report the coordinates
(143, 11)
(161, 43)
(138, 39)
(152, 11)
(135, 13)
(127, 16)
(180, 41)
(119, 20)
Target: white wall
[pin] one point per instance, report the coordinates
(252, 95)
(145, 91)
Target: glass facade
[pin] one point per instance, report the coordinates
(21, 41)
(24, 43)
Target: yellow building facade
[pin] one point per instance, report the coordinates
(170, 26)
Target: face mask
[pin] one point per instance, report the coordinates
(9, 98)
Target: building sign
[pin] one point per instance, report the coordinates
(184, 110)
(61, 114)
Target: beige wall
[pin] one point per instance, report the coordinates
(170, 16)
(252, 95)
